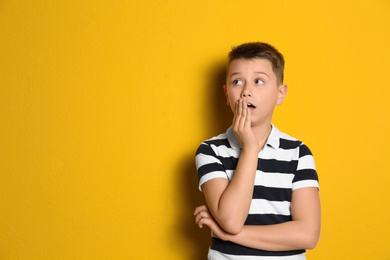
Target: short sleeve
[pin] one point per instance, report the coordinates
(306, 173)
(208, 165)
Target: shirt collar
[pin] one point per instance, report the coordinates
(272, 141)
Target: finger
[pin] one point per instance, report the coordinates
(199, 209)
(202, 222)
(201, 215)
(205, 221)
(239, 112)
(248, 117)
(244, 109)
(236, 118)
(240, 115)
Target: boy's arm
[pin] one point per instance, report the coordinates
(300, 233)
(229, 201)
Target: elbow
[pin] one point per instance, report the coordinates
(311, 244)
(232, 227)
(311, 241)
(310, 235)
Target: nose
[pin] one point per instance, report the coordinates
(246, 93)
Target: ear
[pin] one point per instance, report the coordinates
(282, 92)
(226, 94)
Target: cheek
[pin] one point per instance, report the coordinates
(270, 101)
(233, 96)
(230, 100)
(232, 107)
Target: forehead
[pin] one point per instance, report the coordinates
(241, 66)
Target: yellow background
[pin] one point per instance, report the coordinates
(103, 104)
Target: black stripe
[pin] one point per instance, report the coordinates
(288, 144)
(304, 150)
(273, 165)
(205, 149)
(305, 174)
(265, 165)
(230, 163)
(235, 249)
(218, 142)
(207, 168)
(272, 194)
(266, 219)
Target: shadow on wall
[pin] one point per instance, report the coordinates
(216, 122)
(221, 116)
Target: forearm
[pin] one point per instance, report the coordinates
(229, 202)
(300, 233)
(291, 235)
(235, 201)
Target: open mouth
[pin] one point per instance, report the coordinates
(251, 105)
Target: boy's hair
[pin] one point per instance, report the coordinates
(253, 50)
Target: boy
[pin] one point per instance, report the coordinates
(260, 185)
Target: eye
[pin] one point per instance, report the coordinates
(237, 82)
(259, 82)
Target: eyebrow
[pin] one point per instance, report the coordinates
(258, 72)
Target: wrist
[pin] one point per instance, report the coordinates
(250, 149)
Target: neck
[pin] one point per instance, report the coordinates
(262, 132)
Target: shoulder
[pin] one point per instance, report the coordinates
(217, 142)
(289, 142)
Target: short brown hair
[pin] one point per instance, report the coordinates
(253, 50)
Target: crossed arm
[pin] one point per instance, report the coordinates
(300, 233)
(229, 203)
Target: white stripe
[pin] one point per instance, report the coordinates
(305, 184)
(210, 176)
(226, 152)
(262, 206)
(203, 159)
(306, 162)
(215, 255)
(280, 154)
(218, 137)
(274, 180)
(287, 137)
(267, 153)
(230, 173)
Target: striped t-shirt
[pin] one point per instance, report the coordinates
(284, 164)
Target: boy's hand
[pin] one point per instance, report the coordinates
(204, 217)
(242, 127)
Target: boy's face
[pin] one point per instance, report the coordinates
(254, 81)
